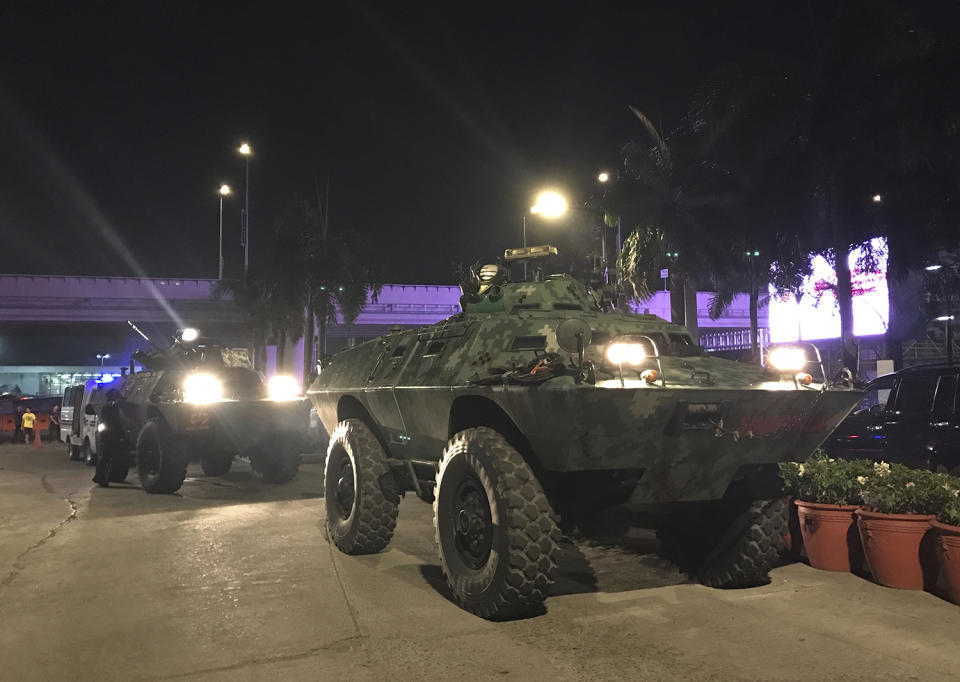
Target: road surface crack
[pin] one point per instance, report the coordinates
(264, 660)
(19, 563)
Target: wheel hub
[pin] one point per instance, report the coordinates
(473, 524)
(345, 490)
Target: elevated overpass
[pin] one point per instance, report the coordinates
(60, 323)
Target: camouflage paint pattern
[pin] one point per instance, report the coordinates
(690, 437)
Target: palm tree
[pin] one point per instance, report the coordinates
(821, 129)
(308, 276)
(678, 194)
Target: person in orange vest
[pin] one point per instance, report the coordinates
(28, 420)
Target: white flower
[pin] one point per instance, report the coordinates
(956, 493)
(801, 469)
(881, 468)
(911, 484)
(831, 460)
(862, 480)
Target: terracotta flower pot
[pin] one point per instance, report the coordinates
(892, 545)
(948, 559)
(830, 535)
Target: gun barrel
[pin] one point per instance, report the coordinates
(145, 337)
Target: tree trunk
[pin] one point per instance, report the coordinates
(309, 353)
(322, 327)
(690, 308)
(676, 299)
(848, 342)
(754, 321)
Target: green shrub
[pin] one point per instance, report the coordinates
(826, 480)
(898, 489)
(950, 513)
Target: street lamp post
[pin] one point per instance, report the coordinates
(101, 357)
(223, 191)
(246, 150)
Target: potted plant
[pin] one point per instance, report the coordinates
(947, 539)
(899, 505)
(827, 494)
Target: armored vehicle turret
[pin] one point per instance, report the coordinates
(538, 407)
(196, 400)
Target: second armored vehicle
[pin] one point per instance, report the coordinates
(534, 410)
(193, 402)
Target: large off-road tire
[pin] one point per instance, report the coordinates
(161, 466)
(216, 464)
(753, 544)
(360, 494)
(278, 462)
(497, 533)
(113, 449)
(730, 548)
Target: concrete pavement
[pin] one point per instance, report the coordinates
(234, 580)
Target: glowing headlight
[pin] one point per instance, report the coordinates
(189, 334)
(625, 353)
(101, 427)
(202, 388)
(787, 358)
(283, 388)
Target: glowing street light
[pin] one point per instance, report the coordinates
(877, 199)
(246, 150)
(102, 356)
(550, 205)
(603, 177)
(223, 192)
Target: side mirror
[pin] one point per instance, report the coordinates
(89, 410)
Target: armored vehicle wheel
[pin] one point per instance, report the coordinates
(73, 452)
(216, 464)
(161, 467)
(753, 544)
(281, 463)
(498, 535)
(360, 494)
(730, 550)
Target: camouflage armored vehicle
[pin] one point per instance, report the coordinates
(534, 410)
(194, 401)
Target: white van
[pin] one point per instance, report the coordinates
(79, 418)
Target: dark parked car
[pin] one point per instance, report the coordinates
(910, 416)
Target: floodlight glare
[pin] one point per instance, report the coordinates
(550, 205)
(224, 190)
(202, 388)
(603, 177)
(283, 388)
(625, 353)
(189, 334)
(788, 358)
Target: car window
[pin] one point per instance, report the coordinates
(916, 393)
(876, 396)
(946, 390)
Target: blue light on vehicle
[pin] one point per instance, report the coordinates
(105, 378)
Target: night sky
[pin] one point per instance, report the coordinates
(434, 124)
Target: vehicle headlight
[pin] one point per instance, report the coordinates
(101, 427)
(283, 388)
(202, 388)
(787, 358)
(626, 352)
